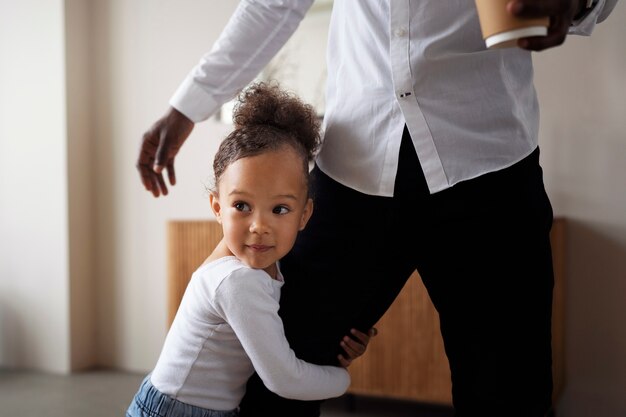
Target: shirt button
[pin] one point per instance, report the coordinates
(400, 32)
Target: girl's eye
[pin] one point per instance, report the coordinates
(280, 210)
(241, 206)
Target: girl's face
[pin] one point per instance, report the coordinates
(261, 204)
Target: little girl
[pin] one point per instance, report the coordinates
(227, 325)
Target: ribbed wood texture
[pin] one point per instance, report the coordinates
(189, 243)
(407, 359)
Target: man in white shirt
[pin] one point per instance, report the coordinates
(429, 139)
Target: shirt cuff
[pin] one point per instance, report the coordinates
(585, 25)
(192, 101)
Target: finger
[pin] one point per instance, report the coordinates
(144, 161)
(356, 347)
(343, 361)
(556, 36)
(154, 187)
(144, 174)
(171, 174)
(162, 152)
(363, 338)
(350, 351)
(161, 182)
(148, 179)
(537, 8)
(540, 43)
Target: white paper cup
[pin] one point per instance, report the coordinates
(500, 29)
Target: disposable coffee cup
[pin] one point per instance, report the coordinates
(501, 29)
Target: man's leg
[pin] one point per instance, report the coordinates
(487, 265)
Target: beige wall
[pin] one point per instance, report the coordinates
(582, 92)
(104, 301)
(34, 253)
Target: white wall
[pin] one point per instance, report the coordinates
(34, 268)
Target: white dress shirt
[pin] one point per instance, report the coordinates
(226, 327)
(422, 63)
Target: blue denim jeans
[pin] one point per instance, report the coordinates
(150, 402)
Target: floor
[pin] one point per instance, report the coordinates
(107, 394)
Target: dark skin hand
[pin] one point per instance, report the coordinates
(355, 348)
(159, 147)
(561, 13)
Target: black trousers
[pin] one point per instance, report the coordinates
(483, 251)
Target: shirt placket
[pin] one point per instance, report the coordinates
(400, 50)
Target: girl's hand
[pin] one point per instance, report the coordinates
(355, 348)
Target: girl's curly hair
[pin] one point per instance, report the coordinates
(267, 118)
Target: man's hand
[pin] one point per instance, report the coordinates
(355, 348)
(560, 12)
(159, 147)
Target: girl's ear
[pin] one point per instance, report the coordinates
(216, 207)
(306, 214)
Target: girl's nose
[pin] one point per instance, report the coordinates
(259, 225)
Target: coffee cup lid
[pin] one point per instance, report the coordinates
(494, 40)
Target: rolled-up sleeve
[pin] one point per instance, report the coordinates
(254, 34)
(587, 23)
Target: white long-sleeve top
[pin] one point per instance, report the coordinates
(424, 63)
(227, 326)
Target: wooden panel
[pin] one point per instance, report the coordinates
(189, 244)
(406, 360)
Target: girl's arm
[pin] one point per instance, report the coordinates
(245, 300)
